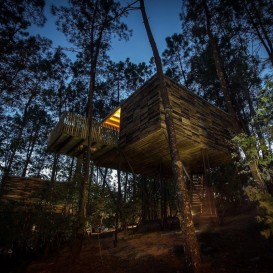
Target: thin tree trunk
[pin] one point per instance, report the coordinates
(54, 167)
(181, 68)
(76, 180)
(68, 201)
(32, 142)
(87, 156)
(16, 142)
(221, 71)
(109, 188)
(104, 178)
(260, 30)
(119, 207)
(89, 186)
(227, 95)
(125, 188)
(71, 170)
(29, 154)
(191, 243)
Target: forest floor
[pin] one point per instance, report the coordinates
(235, 247)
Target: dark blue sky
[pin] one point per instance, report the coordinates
(164, 20)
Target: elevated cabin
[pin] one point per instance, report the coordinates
(133, 137)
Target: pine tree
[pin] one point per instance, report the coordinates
(189, 235)
(89, 25)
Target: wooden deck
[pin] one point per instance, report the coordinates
(69, 136)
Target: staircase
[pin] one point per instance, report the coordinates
(202, 197)
(197, 194)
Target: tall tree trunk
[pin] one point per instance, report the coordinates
(77, 177)
(119, 215)
(71, 170)
(191, 243)
(16, 142)
(104, 178)
(181, 68)
(125, 188)
(54, 167)
(108, 188)
(29, 154)
(227, 95)
(87, 155)
(221, 71)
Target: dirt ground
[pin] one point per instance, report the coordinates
(236, 247)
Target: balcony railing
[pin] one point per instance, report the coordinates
(76, 126)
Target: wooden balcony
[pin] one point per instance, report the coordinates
(69, 136)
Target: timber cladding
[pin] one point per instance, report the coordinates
(197, 119)
(202, 130)
(140, 114)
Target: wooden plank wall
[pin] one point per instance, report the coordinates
(197, 119)
(140, 115)
(202, 129)
(197, 122)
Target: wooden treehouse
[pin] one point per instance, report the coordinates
(133, 136)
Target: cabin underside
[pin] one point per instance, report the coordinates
(150, 156)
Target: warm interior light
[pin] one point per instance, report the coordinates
(113, 119)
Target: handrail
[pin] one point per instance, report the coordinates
(77, 126)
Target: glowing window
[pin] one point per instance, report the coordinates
(113, 119)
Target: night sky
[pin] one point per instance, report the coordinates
(164, 21)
